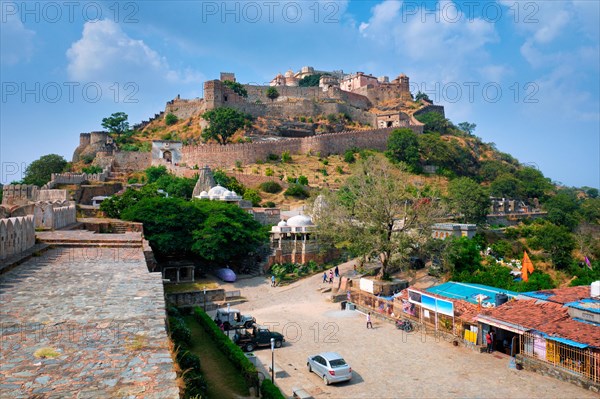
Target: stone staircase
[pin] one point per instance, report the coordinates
(117, 175)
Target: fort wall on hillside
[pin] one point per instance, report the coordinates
(215, 155)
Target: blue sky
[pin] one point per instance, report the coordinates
(526, 72)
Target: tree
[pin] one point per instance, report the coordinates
(224, 122)
(470, 200)
(310, 81)
(377, 212)
(153, 173)
(533, 183)
(403, 146)
(227, 234)
(434, 122)
(168, 223)
(422, 96)
(39, 172)
(171, 119)
(505, 186)
(467, 127)
(272, 93)
(236, 87)
(556, 241)
(116, 123)
(563, 209)
(229, 182)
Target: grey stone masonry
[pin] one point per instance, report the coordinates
(85, 322)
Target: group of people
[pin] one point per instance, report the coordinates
(329, 278)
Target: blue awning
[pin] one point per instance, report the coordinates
(568, 342)
(560, 339)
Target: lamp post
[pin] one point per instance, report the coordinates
(273, 360)
(228, 323)
(204, 299)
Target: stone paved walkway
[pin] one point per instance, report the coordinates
(99, 315)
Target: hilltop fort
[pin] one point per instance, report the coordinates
(369, 108)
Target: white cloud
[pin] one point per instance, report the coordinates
(16, 41)
(443, 43)
(105, 53)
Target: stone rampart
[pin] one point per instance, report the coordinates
(16, 235)
(19, 194)
(133, 161)
(184, 109)
(54, 215)
(52, 195)
(219, 156)
(431, 108)
(75, 178)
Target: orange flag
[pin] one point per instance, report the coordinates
(526, 267)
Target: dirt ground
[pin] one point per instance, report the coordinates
(386, 362)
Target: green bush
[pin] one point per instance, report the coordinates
(349, 156)
(195, 385)
(297, 190)
(269, 172)
(87, 158)
(171, 119)
(180, 333)
(273, 157)
(303, 180)
(90, 170)
(270, 187)
(286, 157)
(229, 349)
(252, 196)
(339, 170)
(270, 204)
(188, 360)
(268, 390)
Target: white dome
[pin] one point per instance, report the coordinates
(216, 191)
(300, 221)
(203, 194)
(282, 224)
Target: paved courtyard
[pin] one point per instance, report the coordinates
(84, 323)
(387, 363)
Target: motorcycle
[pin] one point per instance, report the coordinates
(404, 325)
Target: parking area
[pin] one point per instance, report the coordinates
(387, 363)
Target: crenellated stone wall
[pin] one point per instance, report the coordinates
(54, 215)
(219, 156)
(16, 235)
(19, 194)
(75, 178)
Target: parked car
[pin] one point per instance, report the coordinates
(257, 337)
(233, 318)
(330, 366)
(226, 274)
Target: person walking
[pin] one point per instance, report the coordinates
(331, 277)
(493, 338)
(369, 324)
(337, 272)
(488, 340)
(324, 277)
(272, 280)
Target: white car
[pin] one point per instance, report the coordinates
(330, 366)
